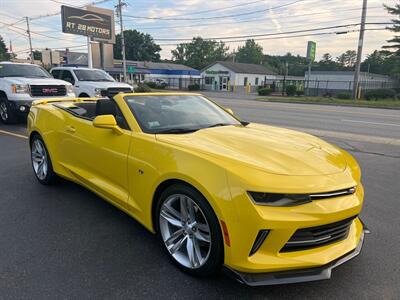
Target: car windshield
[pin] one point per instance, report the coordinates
(20, 70)
(92, 75)
(177, 113)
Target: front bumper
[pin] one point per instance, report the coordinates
(295, 276)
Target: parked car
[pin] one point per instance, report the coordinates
(90, 82)
(20, 84)
(270, 205)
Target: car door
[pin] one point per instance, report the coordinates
(96, 157)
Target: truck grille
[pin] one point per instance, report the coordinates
(48, 90)
(308, 238)
(111, 92)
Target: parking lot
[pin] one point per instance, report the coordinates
(65, 242)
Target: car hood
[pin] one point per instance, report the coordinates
(104, 84)
(270, 149)
(36, 81)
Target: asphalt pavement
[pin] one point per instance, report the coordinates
(65, 242)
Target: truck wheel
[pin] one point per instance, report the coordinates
(7, 115)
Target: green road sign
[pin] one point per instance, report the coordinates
(311, 50)
(131, 69)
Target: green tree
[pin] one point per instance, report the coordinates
(327, 63)
(199, 52)
(138, 46)
(395, 42)
(4, 55)
(347, 59)
(251, 53)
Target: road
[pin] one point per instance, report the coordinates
(65, 242)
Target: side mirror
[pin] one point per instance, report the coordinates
(229, 111)
(107, 122)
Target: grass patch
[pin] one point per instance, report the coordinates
(384, 103)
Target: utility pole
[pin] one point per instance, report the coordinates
(356, 83)
(119, 12)
(284, 78)
(30, 39)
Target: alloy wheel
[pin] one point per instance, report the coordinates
(3, 111)
(39, 159)
(185, 231)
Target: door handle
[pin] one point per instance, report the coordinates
(71, 129)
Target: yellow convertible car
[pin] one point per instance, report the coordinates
(268, 205)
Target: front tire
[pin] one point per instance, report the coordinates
(189, 230)
(41, 162)
(7, 115)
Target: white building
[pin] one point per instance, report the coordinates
(224, 75)
(335, 82)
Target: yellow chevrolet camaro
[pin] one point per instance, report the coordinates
(266, 204)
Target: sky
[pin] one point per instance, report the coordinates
(208, 19)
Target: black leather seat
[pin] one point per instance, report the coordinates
(106, 107)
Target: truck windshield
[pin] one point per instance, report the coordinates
(92, 75)
(20, 70)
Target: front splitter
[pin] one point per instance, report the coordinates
(295, 276)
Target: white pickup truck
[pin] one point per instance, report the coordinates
(90, 82)
(20, 84)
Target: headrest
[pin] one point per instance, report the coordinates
(105, 107)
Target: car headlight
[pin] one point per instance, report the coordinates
(98, 92)
(20, 88)
(70, 89)
(279, 200)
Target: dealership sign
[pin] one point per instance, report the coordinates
(210, 72)
(311, 50)
(87, 23)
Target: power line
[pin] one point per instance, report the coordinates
(216, 17)
(269, 34)
(218, 9)
(246, 20)
(80, 6)
(292, 36)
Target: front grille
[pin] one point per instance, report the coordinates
(48, 90)
(308, 238)
(111, 92)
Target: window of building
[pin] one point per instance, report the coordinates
(256, 81)
(209, 80)
(246, 80)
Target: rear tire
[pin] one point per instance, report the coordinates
(41, 162)
(191, 236)
(7, 115)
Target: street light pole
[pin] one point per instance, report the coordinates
(28, 31)
(356, 83)
(119, 9)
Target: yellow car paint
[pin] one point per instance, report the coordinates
(223, 163)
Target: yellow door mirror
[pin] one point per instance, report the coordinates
(107, 122)
(229, 111)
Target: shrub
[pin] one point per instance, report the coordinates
(151, 84)
(193, 87)
(154, 85)
(380, 94)
(264, 91)
(299, 92)
(344, 96)
(142, 88)
(291, 90)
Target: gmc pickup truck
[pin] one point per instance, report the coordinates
(94, 83)
(20, 84)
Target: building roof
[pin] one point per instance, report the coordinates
(155, 65)
(346, 73)
(245, 68)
